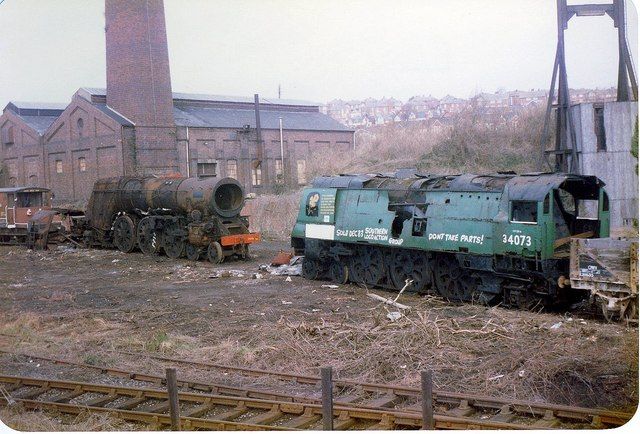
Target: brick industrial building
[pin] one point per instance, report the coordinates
(138, 126)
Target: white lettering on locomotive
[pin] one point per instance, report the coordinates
(461, 238)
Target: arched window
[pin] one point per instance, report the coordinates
(80, 124)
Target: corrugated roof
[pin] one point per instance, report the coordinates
(38, 123)
(113, 114)
(195, 116)
(39, 105)
(218, 98)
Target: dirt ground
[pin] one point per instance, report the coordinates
(86, 304)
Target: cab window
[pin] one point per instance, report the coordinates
(524, 211)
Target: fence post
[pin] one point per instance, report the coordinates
(174, 404)
(327, 399)
(427, 400)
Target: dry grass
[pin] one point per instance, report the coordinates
(274, 215)
(467, 145)
(18, 418)
(470, 348)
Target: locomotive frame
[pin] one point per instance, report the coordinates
(188, 217)
(491, 238)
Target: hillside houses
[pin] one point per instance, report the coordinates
(495, 109)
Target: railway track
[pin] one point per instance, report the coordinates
(454, 410)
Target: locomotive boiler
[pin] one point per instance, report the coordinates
(180, 216)
(491, 238)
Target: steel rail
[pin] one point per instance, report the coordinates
(459, 403)
(263, 414)
(609, 417)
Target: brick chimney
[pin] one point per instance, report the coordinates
(139, 80)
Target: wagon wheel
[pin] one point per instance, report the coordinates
(367, 266)
(339, 272)
(192, 252)
(405, 264)
(173, 239)
(149, 240)
(310, 268)
(214, 253)
(124, 234)
(450, 280)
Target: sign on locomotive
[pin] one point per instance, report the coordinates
(491, 238)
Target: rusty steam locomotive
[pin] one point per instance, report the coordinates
(190, 217)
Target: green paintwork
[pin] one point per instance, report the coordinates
(473, 222)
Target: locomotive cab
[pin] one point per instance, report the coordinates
(565, 207)
(18, 204)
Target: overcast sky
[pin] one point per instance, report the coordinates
(317, 50)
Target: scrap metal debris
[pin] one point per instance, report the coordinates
(292, 268)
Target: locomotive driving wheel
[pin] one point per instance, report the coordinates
(367, 265)
(124, 233)
(404, 265)
(214, 253)
(310, 268)
(192, 252)
(149, 240)
(173, 239)
(451, 281)
(339, 272)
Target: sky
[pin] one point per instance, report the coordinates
(316, 50)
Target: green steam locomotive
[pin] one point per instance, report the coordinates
(489, 238)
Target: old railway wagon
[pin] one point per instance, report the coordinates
(492, 238)
(25, 212)
(190, 217)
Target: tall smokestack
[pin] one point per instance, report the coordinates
(138, 77)
(139, 81)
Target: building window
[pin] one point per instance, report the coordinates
(7, 135)
(80, 124)
(206, 169)
(279, 172)
(302, 172)
(58, 166)
(598, 126)
(256, 173)
(82, 164)
(232, 169)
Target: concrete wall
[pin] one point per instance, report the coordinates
(616, 165)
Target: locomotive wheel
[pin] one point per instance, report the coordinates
(367, 266)
(310, 269)
(173, 240)
(214, 253)
(339, 272)
(405, 265)
(149, 240)
(450, 280)
(192, 252)
(124, 234)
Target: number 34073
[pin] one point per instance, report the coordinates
(517, 240)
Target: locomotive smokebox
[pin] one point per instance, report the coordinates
(220, 196)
